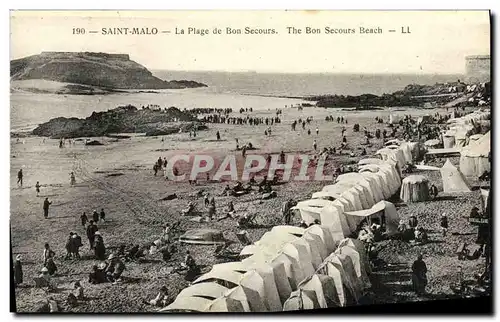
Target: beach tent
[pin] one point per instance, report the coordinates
(385, 211)
(369, 168)
(352, 196)
(359, 260)
(315, 248)
(316, 241)
(350, 274)
(383, 184)
(253, 286)
(205, 290)
(238, 294)
(332, 267)
(325, 289)
(448, 140)
(297, 231)
(393, 119)
(189, 304)
(407, 152)
(301, 254)
(474, 157)
(310, 209)
(235, 266)
(324, 233)
(415, 188)
(333, 217)
(269, 245)
(484, 197)
(453, 179)
(370, 161)
(293, 269)
(224, 277)
(282, 269)
(301, 300)
(225, 304)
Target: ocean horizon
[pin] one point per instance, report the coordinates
(304, 84)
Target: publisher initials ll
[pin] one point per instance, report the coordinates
(405, 30)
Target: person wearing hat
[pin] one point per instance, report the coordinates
(18, 271)
(99, 247)
(419, 275)
(69, 246)
(115, 269)
(95, 216)
(76, 243)
(444, 224)
(37, 187)
(91, 230)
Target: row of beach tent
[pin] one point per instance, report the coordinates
(292, 268)
(461, 129)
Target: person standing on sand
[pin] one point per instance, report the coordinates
(308, 131)
(84, 219)
(37, 187)
(444, 224)
(102, 215)
(20, 177)
(73, 180)
(315, 145)
(95, 216)
(18, 271)
(46, 204)
(419, 275)
(91, 230)
(317, 131)
(218, 136)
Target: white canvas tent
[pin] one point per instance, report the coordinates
(382, 208)
(190, 304)
(453, 179)
(207, 290)
(225, 304)
(474, 157)
(325, 289)
(415, 188)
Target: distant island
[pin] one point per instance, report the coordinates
(123, 119)
(87, 73)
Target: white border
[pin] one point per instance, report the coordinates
(192, 4)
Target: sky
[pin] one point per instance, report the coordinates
(437, 43)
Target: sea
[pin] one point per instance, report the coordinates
(261, 91)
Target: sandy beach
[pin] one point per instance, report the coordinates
(118, 177)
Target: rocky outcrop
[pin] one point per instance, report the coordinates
(123, 119)
(111, 71)
(411, 95)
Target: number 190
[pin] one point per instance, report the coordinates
(78, 31)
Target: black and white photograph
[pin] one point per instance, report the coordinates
(250, 161)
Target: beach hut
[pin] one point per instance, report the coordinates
(448, 140)
(225, 304)
(474, 157)
(414, 188)
(453, 179)
(370, 161)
